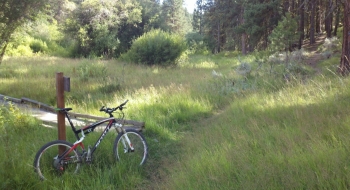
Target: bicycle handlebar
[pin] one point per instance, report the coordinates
(111, 110)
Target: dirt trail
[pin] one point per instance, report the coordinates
(315, 55)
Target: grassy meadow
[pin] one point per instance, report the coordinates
(204, 132)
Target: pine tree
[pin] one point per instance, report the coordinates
(173, 15)
(284, 34)
(197, 22)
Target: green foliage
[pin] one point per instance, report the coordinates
(196, 43)
(259, 17)
(285, 34)
(30, 46)
(39, 38)
(38, 46)
(15, 13)
(21, 50)
(156, 48)
(96, 26)
(174, 17)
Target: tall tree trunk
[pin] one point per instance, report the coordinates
(318, 17)
(293, 8)
(312, 21)
(331, 17)
(218, 40)
(344, 66)
(285, 7)
(337, 18)
(328, 19)
(244, 35)
(2, 52)
(244, 42)
(301, 22)
(4, 40)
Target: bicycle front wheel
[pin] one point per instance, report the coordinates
(131, 147)
(48, 164)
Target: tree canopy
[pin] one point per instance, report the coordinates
(13, 13)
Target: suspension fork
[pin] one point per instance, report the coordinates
(127, 145)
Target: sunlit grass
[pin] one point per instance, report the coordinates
(293, 138)
(164, 98)
(204, 132)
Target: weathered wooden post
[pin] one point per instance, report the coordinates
(62, 84)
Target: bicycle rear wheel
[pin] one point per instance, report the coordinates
(135, 155)
(49, 164)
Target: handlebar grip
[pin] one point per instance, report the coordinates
(123, 104)
(103, 108)
(120, 107)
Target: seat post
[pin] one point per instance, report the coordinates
(71, 124)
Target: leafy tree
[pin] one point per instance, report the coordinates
(60, 9)
(13, 13)
(95, 25)
(128, 32)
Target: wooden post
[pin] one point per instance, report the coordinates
(60, 104)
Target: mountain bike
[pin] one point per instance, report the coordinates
(59, 156)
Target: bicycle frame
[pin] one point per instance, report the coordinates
(86, 130)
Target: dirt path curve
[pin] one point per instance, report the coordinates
(314, 56)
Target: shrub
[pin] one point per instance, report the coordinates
(330, 45)
(156, 48)
(21, 50)
(19, 46)
(244, 69)
(38, 46)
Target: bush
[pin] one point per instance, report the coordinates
(156, 48)
(19, 46)
(21, 50)
(38, 46)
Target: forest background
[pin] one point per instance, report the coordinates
(108, 28)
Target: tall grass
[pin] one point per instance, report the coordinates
(165, 99)
(293, 138)
(204, 132)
